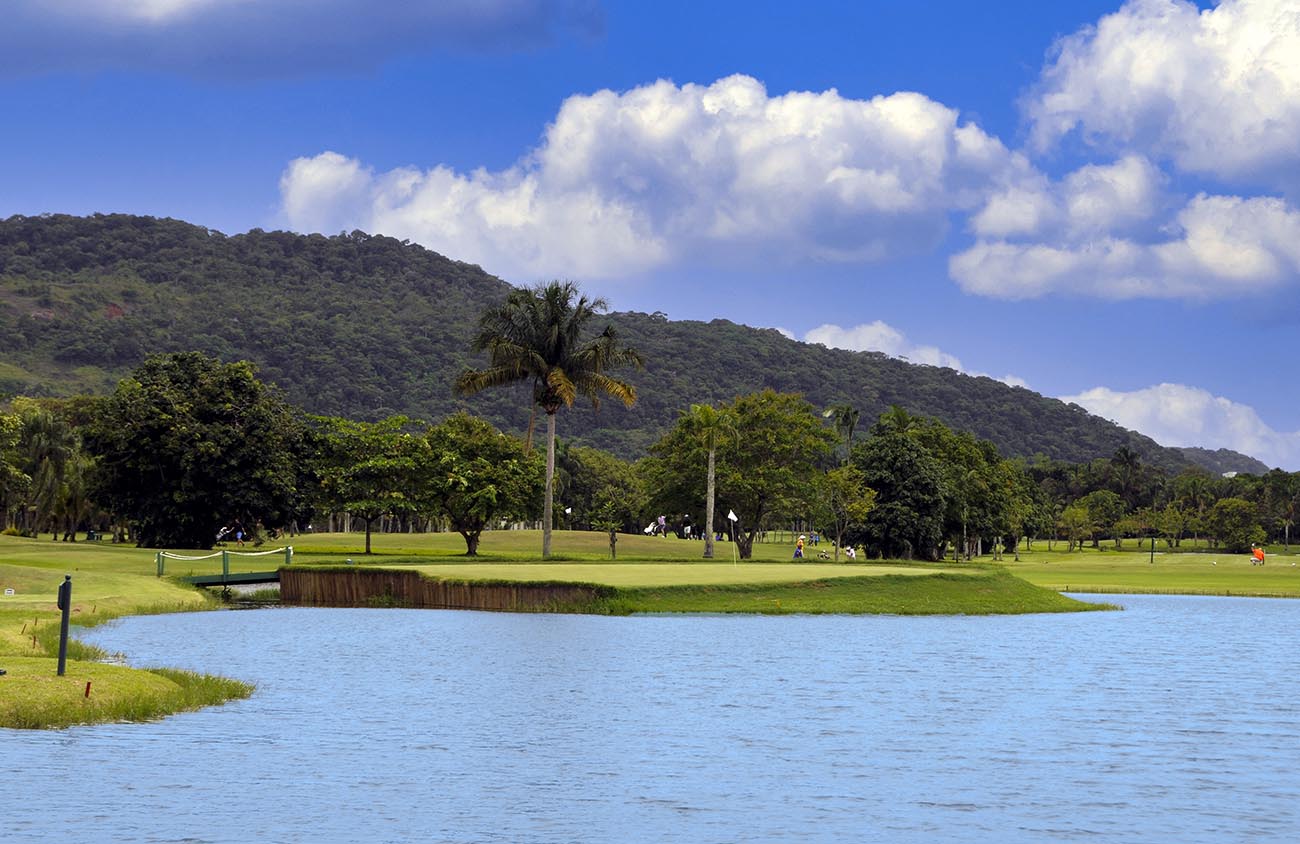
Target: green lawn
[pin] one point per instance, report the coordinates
(632, 575)
(981, 591)
(107, 581)
(1199, 573)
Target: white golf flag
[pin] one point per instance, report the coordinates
(731, 514)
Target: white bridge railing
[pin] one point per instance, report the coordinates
(225, 556)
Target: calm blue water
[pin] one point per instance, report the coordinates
(1175, 721)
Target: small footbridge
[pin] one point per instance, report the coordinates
(227, 577)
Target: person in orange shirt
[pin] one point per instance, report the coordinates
(1258, 554)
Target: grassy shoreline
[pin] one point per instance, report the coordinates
(105, 587)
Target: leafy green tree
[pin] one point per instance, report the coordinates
(368, 469)
(187, 444)
(843, 499)
(618, 503)
(1105, 509)
(1141, 524)
(1281, 501)
(1077, 524)
(1005, 508)
(1173, 522)
(538, 335)
(476, 476)
(908, 518)
(767, 466)
(1040, 519)
(1194, 489)
(1146, 523)
(14, 482)
(1234, 523)
(975, 488)
(594, 474)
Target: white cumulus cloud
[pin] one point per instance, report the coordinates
(625, 182)
(1216, 247)
(1179, 415)
(880, 336)
(1216, 91)
(1096, 198)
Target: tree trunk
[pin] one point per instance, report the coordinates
(368, 535)
(528, 437)
(613, 542)
(708, 513)
(471, 542)
(550, 485)
(745, 543)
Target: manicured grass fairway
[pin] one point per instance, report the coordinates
(672, 574)
(1200, 573)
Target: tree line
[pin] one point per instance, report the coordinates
(188, 446)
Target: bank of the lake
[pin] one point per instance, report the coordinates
(108, 583)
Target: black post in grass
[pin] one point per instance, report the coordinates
(65, 604)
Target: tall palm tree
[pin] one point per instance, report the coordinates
(897, 420)
(48, 443)
(537, 335)
(845, 418)
(1127, 464)
(709, 426)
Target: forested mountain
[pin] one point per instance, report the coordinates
(368, 326)
(1223, 460)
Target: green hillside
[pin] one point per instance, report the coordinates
(367, 326)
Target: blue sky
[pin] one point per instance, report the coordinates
(1097, 200)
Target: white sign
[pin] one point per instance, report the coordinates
(9, 592)
(731, 514)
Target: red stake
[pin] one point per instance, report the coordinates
(87, 688)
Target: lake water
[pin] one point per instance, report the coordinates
(1175, 721)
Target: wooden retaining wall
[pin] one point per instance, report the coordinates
(364, 587)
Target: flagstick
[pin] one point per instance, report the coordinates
(733, 518)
